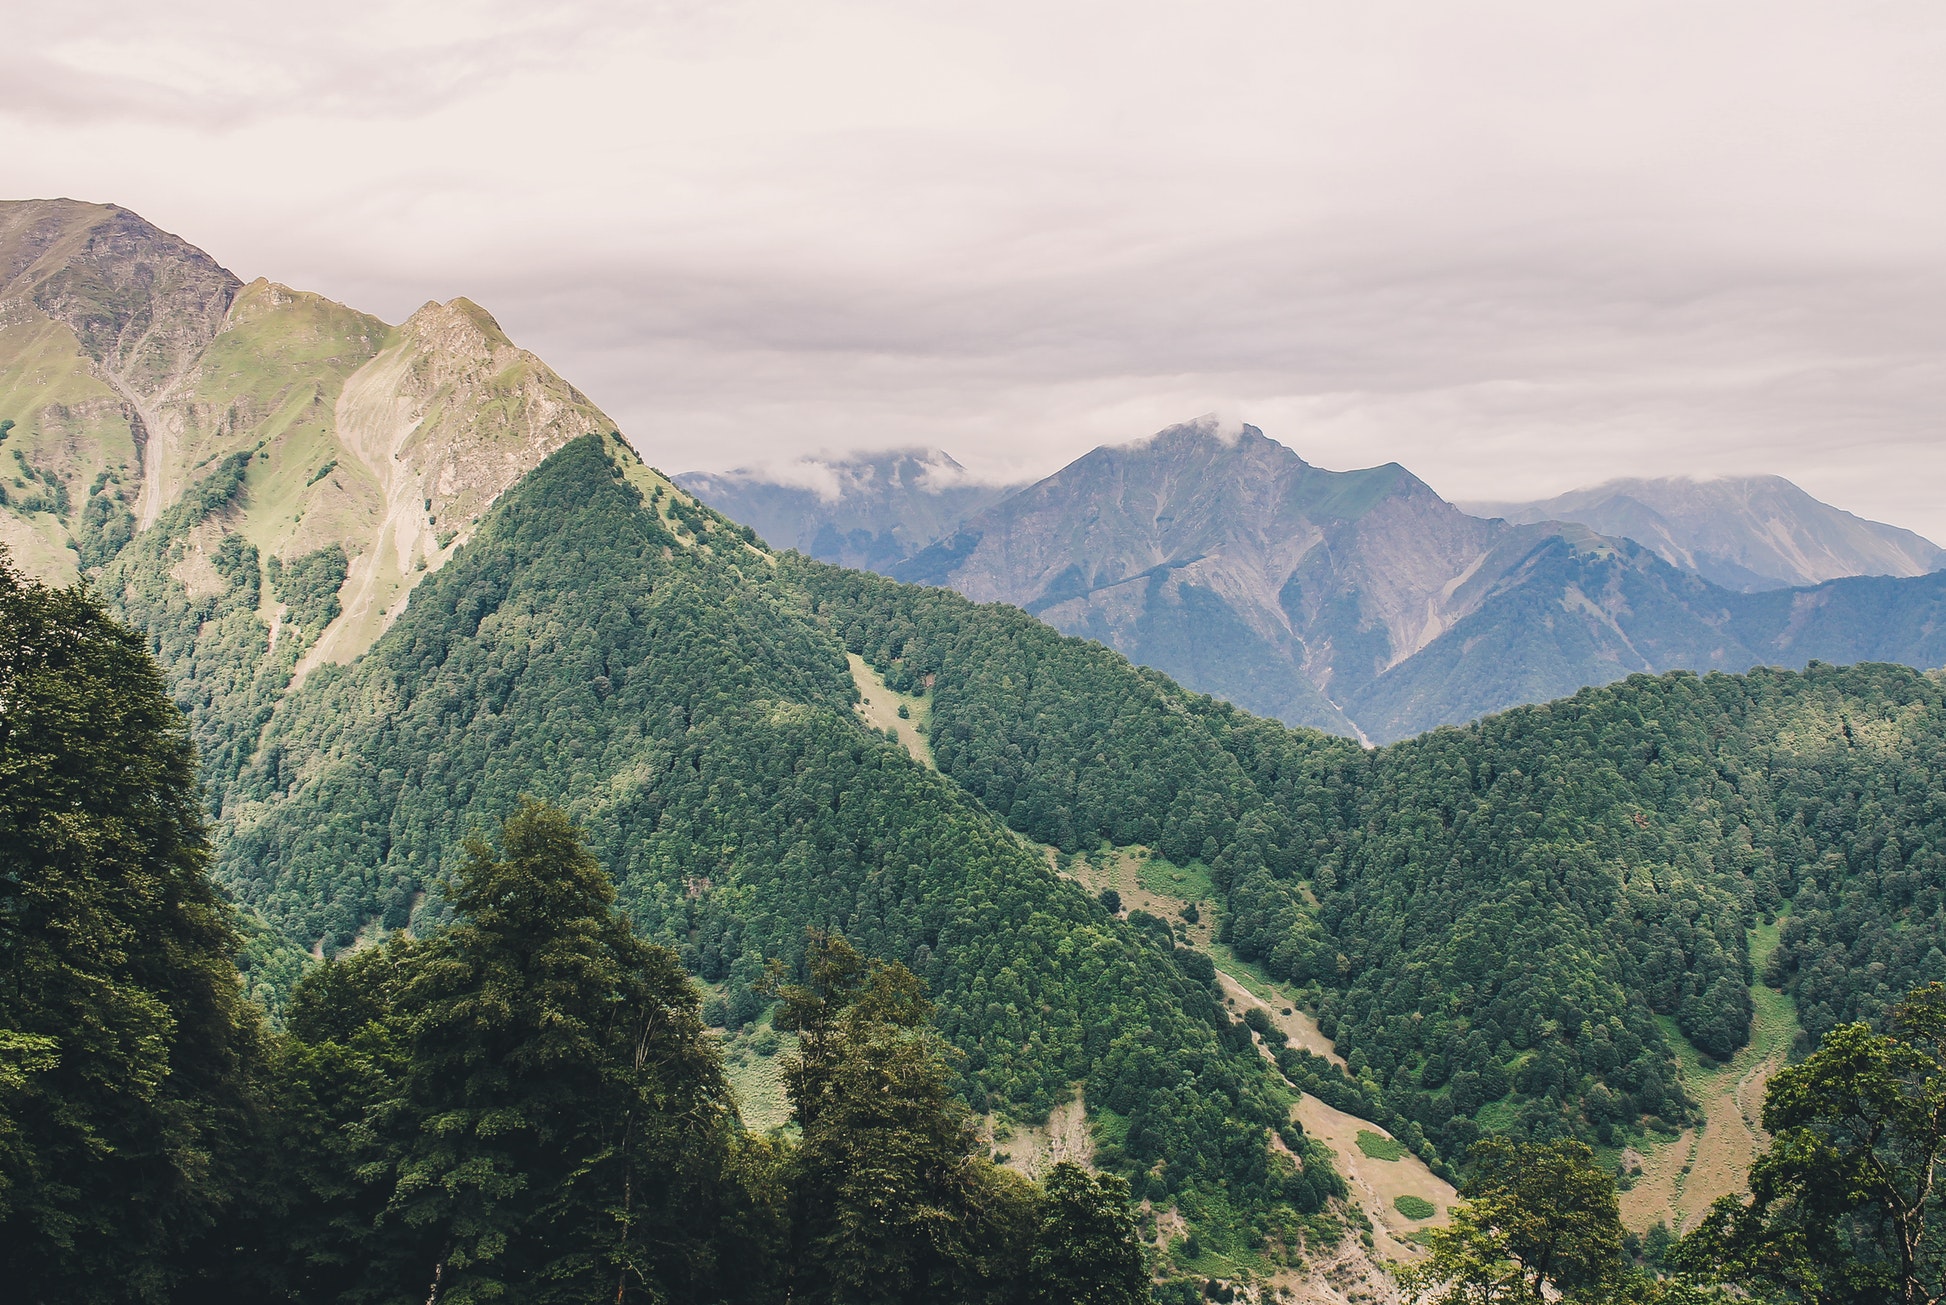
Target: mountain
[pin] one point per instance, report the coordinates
(1579, 918)
(132, 363)
(870, 511)
(1361, 602)
(1741, 532)
(1224, 559)
(398, 576)
(1562, 919)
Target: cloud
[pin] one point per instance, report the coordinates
(1516, 246)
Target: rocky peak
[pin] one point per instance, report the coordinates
(143, 303)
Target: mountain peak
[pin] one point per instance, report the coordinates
(1225, 430)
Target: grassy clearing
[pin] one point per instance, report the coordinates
(1164, 878)
(1680, 1177)
(879, 707)
(1414, 1207)
(753, 1064)
(1380, 1147)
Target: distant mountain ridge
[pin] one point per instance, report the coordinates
(1742, 532)
(1363, 603)
(872, 511)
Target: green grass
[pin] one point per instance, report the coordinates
(1380, 1147)
(1414, 1207)
(1188, 883)
(1497, 1116)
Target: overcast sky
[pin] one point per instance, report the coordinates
(1517, 247)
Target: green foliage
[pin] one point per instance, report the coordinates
(107, 523)
(1492, 922)
(209, 640)
(1540, 1222)
(681, 701)
(891, 1203)
(1087, 1250)
(1414, 1207)
(128, 1062)
(533, 1104)
(308, 586)
(1844, 1204)
(1380, 1147)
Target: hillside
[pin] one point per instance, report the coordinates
(400, 577)
(1573, 885)
(1224, 559)
(602, 643)
(1742, 532)
(131, 363)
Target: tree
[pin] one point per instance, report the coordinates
(891, 1202)
(129, 1061)
(1087, 1250)
(1844, 1205)
(1541, 1222)
(559, 1125)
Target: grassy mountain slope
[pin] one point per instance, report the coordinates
(638, 660)
(132, 364)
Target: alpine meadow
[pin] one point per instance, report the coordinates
(445, 860)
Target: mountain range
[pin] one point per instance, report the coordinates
(398, 576)
(1741, 532)
(1363, 603)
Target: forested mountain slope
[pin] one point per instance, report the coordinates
(603, 643)
(1742, 532)
(1506, 926)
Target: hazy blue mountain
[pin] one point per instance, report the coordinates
(870, 511)
(1742, 532)
(1363, 603)
(1224, 559)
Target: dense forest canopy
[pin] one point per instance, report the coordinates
(1502, 925)
(604, 644)
(522, 1105)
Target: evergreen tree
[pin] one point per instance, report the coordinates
(128, 1057)
(891, 1203)
(558, 1127)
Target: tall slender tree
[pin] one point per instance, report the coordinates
(893, 1201)
(559, 1128)
(128, 1057)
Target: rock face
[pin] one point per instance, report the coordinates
(1746, 533)
(132, 365)
(872, 511)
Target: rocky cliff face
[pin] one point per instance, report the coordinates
(1746, 533)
